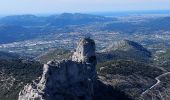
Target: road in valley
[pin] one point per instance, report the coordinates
(157, 83)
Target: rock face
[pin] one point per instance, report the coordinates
(68, 79)
(85, 51)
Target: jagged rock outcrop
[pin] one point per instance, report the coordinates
(85, 51)
(67, 79)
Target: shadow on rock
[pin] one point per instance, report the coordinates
(107, 92)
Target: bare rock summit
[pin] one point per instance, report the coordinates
(67, 79)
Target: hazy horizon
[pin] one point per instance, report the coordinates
(106, 13)
(16, 7)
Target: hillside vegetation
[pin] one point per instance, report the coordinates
(129, 76)
(14, 74)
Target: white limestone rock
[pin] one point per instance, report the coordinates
(85, 51)
(67, 79)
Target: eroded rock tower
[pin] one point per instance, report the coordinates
(66, 79)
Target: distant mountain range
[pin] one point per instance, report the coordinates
(56, 20)
(24, 27)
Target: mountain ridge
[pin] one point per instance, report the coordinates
(125, 49)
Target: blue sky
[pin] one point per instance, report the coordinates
(58, 6)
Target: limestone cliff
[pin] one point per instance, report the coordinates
(67, 79)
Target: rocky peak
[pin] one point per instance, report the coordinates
(85, 51)
(66, 79)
